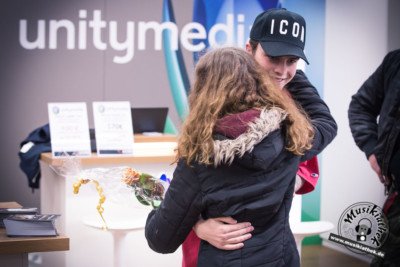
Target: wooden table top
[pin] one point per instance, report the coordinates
(9, 205)
(15, 245)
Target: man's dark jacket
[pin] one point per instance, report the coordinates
(257, 187)
(378, 97)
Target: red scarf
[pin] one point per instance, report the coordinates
(233, 125)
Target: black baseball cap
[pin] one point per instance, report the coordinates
(280, 33)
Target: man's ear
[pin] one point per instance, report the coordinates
(248, 48)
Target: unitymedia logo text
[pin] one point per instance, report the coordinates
(104, 35)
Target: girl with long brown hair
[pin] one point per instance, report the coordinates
(229, 81)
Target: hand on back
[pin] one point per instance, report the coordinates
(224, 232)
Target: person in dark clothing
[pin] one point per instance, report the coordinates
(238, 154)
(379, 97)
(278, 54)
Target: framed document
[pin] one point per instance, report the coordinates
(113, 127)
(69, 129)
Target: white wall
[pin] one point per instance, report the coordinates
(356, 42)
(393, 27)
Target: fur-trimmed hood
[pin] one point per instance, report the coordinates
(247, 129)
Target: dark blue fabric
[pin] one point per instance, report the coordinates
(29, 161)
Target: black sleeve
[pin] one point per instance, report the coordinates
(364, 110)
(304, 93)
(167, 227)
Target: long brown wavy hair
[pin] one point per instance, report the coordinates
(228, 80)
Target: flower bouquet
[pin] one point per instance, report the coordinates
(114, 183)
(148, 189)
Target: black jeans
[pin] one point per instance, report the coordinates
(391, 247)
(394, 168)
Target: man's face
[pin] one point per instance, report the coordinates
(281, 69)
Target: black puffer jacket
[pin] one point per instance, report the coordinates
(379, 96)
(257, 187)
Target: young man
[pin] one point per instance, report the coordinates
(277, 40)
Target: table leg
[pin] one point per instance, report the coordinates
(118, 239)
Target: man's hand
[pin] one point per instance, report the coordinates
(375, 166)
(224, 232)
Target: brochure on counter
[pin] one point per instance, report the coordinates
(69, 129)
(31, 225)
(113, 126)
